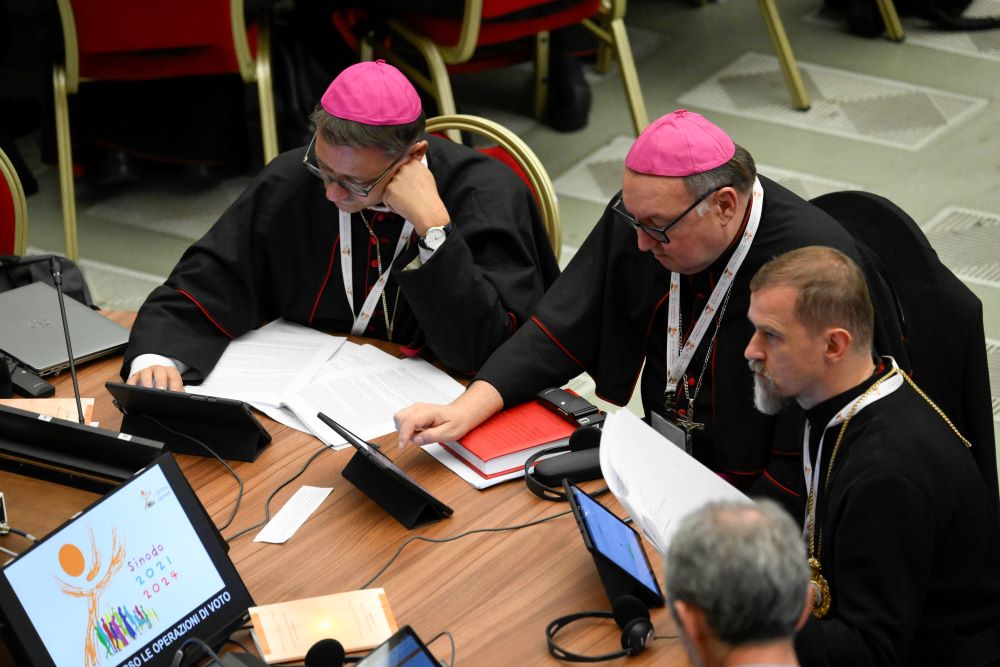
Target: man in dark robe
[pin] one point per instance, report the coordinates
(685, 181)
(446, 247)
(903, 542)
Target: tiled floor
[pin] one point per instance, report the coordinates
(916, 122)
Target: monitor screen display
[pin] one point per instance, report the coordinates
(615, 540)
(126, 581)
(403, 649)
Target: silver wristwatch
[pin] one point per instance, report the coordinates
(435, 236)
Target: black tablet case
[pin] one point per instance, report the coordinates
(227, 426)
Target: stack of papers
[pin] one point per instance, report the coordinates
(656, 481)
(291, 372)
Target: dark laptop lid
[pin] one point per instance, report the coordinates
(126, 581)
(31, 329)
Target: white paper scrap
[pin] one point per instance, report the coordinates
(294, 513)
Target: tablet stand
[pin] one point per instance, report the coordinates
(404, 504)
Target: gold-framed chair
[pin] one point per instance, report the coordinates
(13, 210)
(783, 49)
(513, 151)
(119, 40)
(451, 42)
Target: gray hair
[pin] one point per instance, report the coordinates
(393, 140)
(744, 566)
(739, 172)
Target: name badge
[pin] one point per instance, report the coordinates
(671, 431)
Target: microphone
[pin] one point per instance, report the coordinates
(327, 653)
(56, 270)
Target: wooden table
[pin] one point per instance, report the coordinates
(495, 592)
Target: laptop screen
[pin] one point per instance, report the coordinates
(126, 581)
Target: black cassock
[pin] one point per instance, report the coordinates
(911, 545)
(607, 314)
(275, 253)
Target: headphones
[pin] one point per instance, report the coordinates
(631, 615)
(581, 463)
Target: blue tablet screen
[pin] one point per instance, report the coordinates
(616, 540)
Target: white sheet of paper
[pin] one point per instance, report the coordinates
(364, 399)
(656, 482)
(290, 518)
(266, 364)
(450, 461)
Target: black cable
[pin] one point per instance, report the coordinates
(27, 536)
(267, 503)
(439, 540)
(445, 633)
(179, 656)
(236, 642)
(239, 495)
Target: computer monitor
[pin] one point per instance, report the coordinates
(615, 546)
(125, 582)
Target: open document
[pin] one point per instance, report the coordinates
(363, 399)
(269, 363)
(656, 481)
(291, 372)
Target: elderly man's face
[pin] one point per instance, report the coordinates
(787, 359)
(696, 239)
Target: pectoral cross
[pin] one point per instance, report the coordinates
(685, 419)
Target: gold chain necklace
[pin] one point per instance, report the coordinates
(822, 588)
(389, 322)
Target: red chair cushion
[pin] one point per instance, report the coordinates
(497, 30)
(127, 40)
(6, 219)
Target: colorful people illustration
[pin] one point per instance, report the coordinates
(73, 563)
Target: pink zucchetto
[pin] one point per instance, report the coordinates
(373, 93)
(681, 143)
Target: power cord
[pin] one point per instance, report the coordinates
(267, 503)
(179, 656)
(4, 529)
(239, 495)
(439, 540)
(451, 640)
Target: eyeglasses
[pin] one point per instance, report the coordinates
(354, 188)
(658, 233)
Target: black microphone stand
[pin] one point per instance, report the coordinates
(56, 270)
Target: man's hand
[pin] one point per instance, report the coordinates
(427, 422)
(158, 377)
(413, 194)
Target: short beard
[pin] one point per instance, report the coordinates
(766, 398)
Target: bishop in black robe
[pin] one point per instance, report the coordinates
(607, 315)
(275, 253)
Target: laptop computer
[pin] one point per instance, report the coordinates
(126, 582)
(31, 330)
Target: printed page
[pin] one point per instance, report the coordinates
(656, 482)
(364, 399)
(360, 620)
(269, 363)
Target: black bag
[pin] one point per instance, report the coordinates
(863, 17)
(16, 272)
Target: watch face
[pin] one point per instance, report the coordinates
(434, 238)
